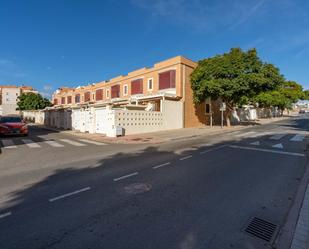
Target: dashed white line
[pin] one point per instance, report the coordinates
(266, 150)
(69, 194)
(125, 176)
(5, 215)
(185, 158)
(161, 165)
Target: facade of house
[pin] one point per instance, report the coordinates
(9, 98)
(164, 88)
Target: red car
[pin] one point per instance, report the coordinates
(13, 125)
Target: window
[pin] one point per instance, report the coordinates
(62, 100)
(167, 79)
(150, 84)
(69, 99)
(55, 101)
(77, 98)
(93, 96)
(207, 108)
(137, 86)
(107, 93)
(99, 94)
(86, 96)
(115, 91)
(125, 90)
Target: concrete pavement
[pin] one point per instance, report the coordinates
(198, 193)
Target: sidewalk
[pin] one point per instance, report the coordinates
(301, 234)
(164, 136)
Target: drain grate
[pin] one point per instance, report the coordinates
(262, 229)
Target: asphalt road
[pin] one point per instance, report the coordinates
(196, 193)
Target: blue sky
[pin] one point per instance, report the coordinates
(54, 43)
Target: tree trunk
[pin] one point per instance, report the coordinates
(228, 117)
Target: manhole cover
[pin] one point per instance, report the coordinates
(137, 188)
(262, 229)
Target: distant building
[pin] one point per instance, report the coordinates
(9, 98)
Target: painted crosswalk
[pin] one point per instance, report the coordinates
(30, 143)
(59, 143)
(8, 144)
(277, 136)
(72, 142)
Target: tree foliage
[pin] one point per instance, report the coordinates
(283, 97)
(233, 77)
(32, 101)
(305, 95)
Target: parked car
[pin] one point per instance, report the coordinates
(13, 125)
(302, 111)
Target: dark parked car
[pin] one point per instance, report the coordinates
(11, 125)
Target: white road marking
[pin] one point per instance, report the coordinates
(256, 143)
(246, 134)
(8, 144)
(125, 176)
(277, 137)
(31, 143)
(185, 158)
(44, 137)
(260, 134)
(216, 148)
(72, 142)
(161, 165)
(5, 215)
(297, 138)
(54, 144)
(278, 146)
(266, 150)
(91, 142)
(69, 194)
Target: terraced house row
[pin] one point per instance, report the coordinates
(148, 99)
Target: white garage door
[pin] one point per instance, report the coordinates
(100, 116)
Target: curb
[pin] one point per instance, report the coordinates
(286, 234)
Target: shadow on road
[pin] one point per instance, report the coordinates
(202, 202)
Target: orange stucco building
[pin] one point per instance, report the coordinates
(169, 79)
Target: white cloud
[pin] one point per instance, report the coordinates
(47, 87)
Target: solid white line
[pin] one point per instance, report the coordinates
(69, 194)
(72, 142)
(8, 144)
(216, 148)
(124, 177)
(5, 215)
(297, 138)
(54, 144)
(161, 165)
(30, 143)
(277, 137)
(186, 157)
(266, 150)
(91, 142)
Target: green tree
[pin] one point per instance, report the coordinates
(32, 101)
(305, 95)
(283, 97)
(233, 77)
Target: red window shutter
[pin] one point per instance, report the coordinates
(55, 101)
(63, 100)
(137, 86)
(115, 91)
(167, 79)
(69, 99)
(99, 94)
(77, 98)
(86, 96)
